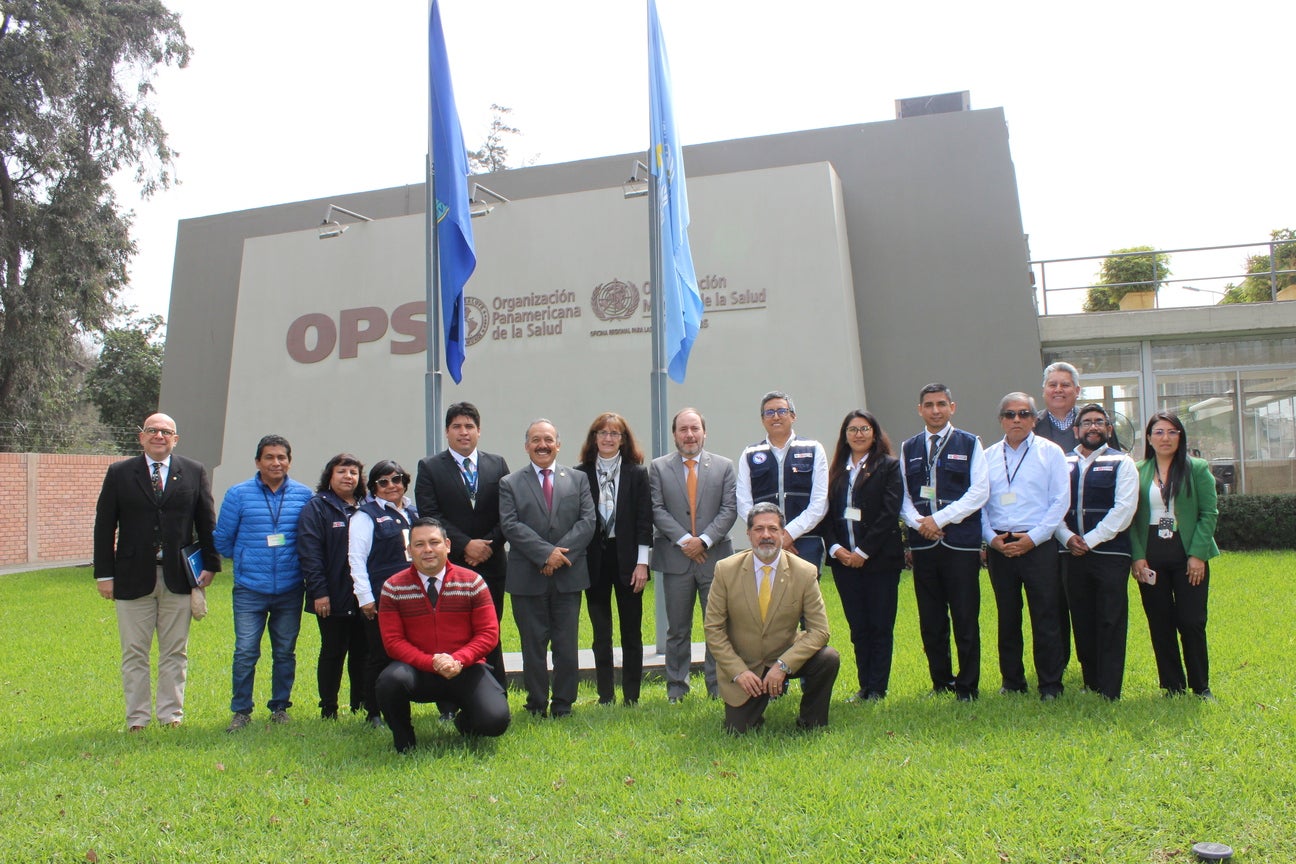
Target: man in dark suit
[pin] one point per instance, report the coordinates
(692, 535)
(459, 487)
(150, 507)
(547, 515)
(758, 599)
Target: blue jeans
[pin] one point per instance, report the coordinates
(252, 611)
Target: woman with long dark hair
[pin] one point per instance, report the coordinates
(379, 536)
(1173, 538)
(322, 546)
(618, 554)
(862, 532)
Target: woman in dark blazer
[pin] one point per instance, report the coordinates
(322, 547)
(862, 532)
(1173, 536)
(618, 554)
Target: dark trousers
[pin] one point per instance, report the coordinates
(1173, 606)
(869, 598)
(817, 678)
(1097, 592)
(495, 659)
(544, 620)
(947, 586)
(1037, 573)
(376, 662)
(342, 642)
(811, 548)
(483, 707)
(598, 600)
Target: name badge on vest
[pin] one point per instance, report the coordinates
(851, 514)
(957, 457)
(928, 493)
(273, 540)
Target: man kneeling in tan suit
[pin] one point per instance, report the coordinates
(757, 601)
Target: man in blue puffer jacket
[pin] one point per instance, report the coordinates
(257, 527)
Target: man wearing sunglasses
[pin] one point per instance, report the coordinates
(150, 507)
(1029, 491)
(789, 472)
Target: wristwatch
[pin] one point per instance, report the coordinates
(782, 666)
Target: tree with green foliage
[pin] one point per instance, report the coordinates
(493, 155)
(1256, 286)
(75, 82)
(1125, 273)
(127, 381)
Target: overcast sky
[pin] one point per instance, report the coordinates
(1130, 123)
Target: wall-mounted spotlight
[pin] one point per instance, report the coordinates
(637, 185)
(331, 228)
(478, 206)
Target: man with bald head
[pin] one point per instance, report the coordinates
(152, 506)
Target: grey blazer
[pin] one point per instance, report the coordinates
(717, 509)
(533, 530)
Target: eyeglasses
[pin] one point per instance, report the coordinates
(771, 413)
(858, 430)
(608, 433)
(1165, 433)
(165, 433)
(395, 480)
(1100, 423)
(1023, 414)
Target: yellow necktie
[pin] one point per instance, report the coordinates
(690, 480)
(765, 587)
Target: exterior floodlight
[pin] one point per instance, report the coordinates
(331, 228)
(477, 206)
(637, 185)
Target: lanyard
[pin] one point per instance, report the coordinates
(1011, 476)
(274, 514)
(931, 461)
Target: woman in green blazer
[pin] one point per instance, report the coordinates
(1173, 536)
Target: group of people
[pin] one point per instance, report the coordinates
(408, 594)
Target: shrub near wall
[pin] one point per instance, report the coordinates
(1256, 522)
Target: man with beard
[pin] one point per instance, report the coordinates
(757, 600)
(1104, 496)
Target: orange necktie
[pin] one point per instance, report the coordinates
(765, 587)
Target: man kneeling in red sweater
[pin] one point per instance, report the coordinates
(438, 624)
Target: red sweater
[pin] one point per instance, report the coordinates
(462, 625)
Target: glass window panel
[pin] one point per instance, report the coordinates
(1097, 359)
(1207, 404)
(1238, 352)
(1269, 431)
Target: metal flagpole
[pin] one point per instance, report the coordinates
(432, 377)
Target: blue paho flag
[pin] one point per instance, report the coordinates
(455, 255)
(683, 303)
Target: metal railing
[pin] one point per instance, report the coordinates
(1210, 274)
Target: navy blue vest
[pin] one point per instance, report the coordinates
(387, 555)
(797, 477)
(953, 477)
(1099, 497)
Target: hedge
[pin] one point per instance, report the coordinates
(1256, 522)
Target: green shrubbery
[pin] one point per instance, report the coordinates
(1256, 522)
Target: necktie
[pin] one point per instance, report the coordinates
(470, 481)
(765, 587)
(690, 480)
(931, 449)
(432, 592)
(547, 487)
(157, 480)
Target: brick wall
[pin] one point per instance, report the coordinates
(47, 504)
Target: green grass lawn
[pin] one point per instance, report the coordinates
(913, 778)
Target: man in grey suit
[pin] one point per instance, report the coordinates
(694, 504)
(547, 516)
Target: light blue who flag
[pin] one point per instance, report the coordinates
(456, 257)
(683, 302)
